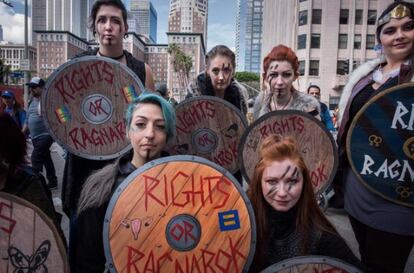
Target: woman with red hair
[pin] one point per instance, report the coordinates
(281, 69)
(288, 219)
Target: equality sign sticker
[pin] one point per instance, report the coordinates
(164, 218)
(315, 142)
(312, 264)
(84, 104)
(380, 145)
(211, 128)
(29, 241)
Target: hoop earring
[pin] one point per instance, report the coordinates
(126, 35)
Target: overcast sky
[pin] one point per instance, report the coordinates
(221, 21)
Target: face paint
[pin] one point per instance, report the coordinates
(280, 77)
(220, 71)
(282, 184)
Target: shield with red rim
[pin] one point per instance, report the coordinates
(29, 241)
(179, 214)
(314, 141)
(211, 128)
(84, 103)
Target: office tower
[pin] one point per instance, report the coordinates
(330, 38)
(188, 16)
(249, 35)
(144, 13)
(38, 14)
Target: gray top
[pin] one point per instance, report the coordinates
(35, 121)
(375, 211)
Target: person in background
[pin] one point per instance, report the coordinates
(384, 230)
(16, 177)
(13, 108)
(150, 122)
(289, 222)
(326, 119)
(281, 69)
(218, 79)
(39, 134)
(166, 94)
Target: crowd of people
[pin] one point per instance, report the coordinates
(288, 220)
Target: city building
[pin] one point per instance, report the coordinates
(156, 56)
(38, 16)
(249, 35)
(12, 54)
(145, 15)
(188, 16)
(1, 33)
(54, 48)
(133, 25)
(135, 45)
(187, 26)
(58, 15)
(329, 37)
(192, 44)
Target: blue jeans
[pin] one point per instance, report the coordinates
(41, 157)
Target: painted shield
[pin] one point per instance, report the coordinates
(316, 144)
(380, 144)
(211, 128)
(84, 104)
(29, 241)
(312, 264)
(179, 214)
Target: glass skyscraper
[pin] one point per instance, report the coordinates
(249, 35)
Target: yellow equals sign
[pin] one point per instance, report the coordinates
(228, 216)
(229, 223)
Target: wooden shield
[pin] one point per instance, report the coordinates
(29, 241)
(84, 104)
(312, 264)
(316, 144)
(179, 214)
(380, 144)
(211, 128)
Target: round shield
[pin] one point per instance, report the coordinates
(380, 144)
(312, 264)
(29, 241)
(84, 105)
(209, 127)
(179, 214)
(316, 144)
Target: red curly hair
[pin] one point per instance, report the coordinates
(281, 53)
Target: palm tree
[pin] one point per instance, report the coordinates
(182, 65)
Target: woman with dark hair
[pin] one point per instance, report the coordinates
(384, 230)
(288, 219)
(150, 122)
(15, 176)
(218, 79)
(280, 70)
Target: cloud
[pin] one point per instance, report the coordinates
(219, 34)
(13, 25)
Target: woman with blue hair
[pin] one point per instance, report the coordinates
(150, 124)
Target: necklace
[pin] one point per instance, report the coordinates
(285, 105)
(380, 77)
(113, 58)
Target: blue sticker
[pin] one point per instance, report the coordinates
(229, 220)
